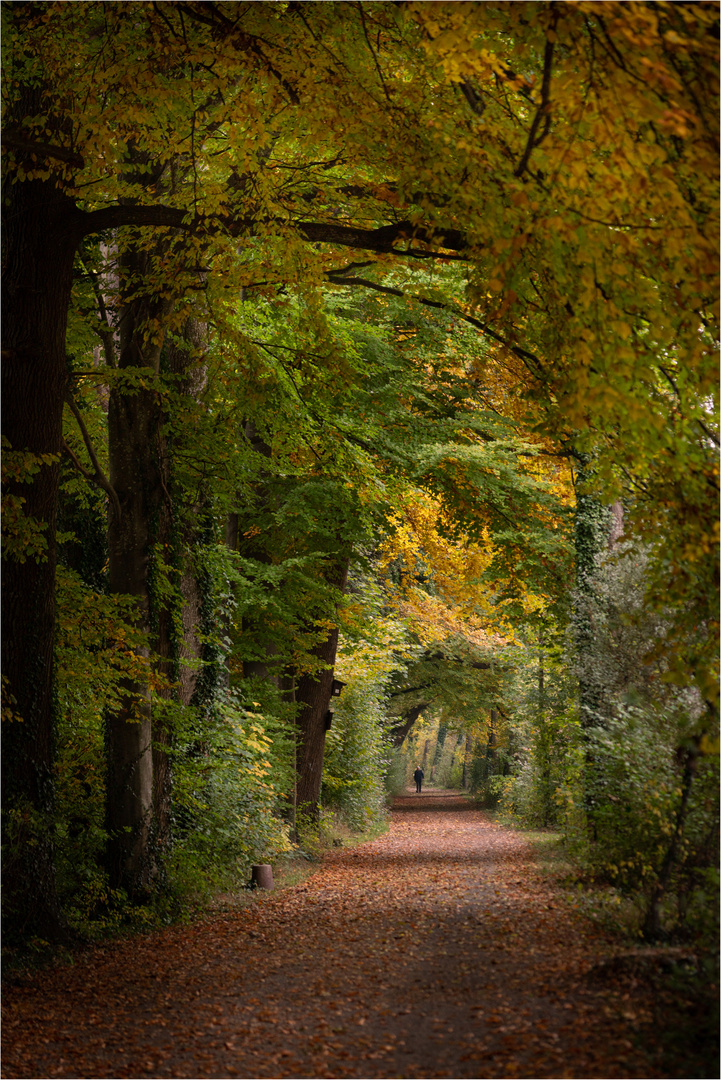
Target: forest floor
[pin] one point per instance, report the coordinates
(438, 950)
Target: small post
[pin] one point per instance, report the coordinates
(261, 876)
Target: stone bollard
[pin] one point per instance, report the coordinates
(261, 876)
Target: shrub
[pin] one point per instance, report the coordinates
(396, 779)
(232, 770)
(640, 830)
(230, 794)
(357, 754)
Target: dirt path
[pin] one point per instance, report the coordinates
(436, 951)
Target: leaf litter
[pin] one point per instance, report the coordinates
(437, 950)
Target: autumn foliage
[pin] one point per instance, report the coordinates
(373, 342)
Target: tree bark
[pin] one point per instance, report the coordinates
(405, 722)
(313, 694)
(440, 743)
(544, 739)
(465, 781)
(39, 242)
(256, 548)
(591, 533)
(136, 469)
(179, 684)
(652, 921)
(424, 759)
(492, 742)
(161, 730)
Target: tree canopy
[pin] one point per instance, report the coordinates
(310, 289)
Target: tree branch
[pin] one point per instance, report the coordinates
(370, 49)
(526, 357)
(43, 150)
(543, 111)
(99, 478)
(104, 330)
(409, 690)
(473, 97)
(381, 239)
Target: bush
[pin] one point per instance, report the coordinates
(640, 832)
(232, 771)
(97, 647)
(396, 777)
(497, 792)
(230, 794)
(357, 754)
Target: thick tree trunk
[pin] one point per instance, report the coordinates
(652, 921)
(136, 467)
(313, 694)
(132, 427)
(591, 536)
(191, 648)
(139, 801)
(161, 730)
(438, 754)
(39, 241)
(492, 743)
(544, 740)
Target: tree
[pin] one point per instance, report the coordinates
(46, 221)
(587, 230)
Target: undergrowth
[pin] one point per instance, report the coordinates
(682, 968)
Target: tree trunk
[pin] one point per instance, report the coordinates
(466, 776)
(313, 694)
(256, 548)
(39, 242)
(191, 648)
(424, 759)
(544, 740)
(591, 532)
(171, 650)
(652, 921)
(161, 730)
(440, 743)
(134, 420)
(132, 428)
(401, 728)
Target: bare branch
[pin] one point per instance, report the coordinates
(370, 48)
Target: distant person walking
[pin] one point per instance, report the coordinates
(418, 777)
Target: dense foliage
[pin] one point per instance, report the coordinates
(332, 332)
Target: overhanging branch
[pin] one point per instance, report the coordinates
(43, 151)
(382, 239)
(526, 357)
